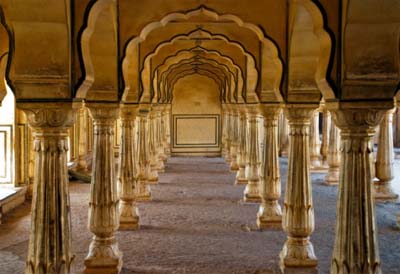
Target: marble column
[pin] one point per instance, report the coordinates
(356, 246)
(325, 137)
(283, 137)
(270, 213)
(234, 139)
(242, 153)
(104, 255)
(128, 170)
(168, 130)
(251, 192)
(333, 157)
(143, 192)
(153, 174)
(49, 249)
(384, 160)
(224, 132)
(83, 151)
(228, 134)
(298, 210)
(315, 145)
(159, 137)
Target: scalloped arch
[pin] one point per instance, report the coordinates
(132, 92)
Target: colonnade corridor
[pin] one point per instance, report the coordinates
(197, 222)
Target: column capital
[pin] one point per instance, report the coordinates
(270, 111)
(48, 115)
(252, 109)
(128, 112)
(300, 112)
(103, 111)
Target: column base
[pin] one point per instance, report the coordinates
(129, 216)
(319, 169)
(299, 270)
(241, 176)
(153, 176)
(384, 193)
(251, 194)
(234, 166)
(298, 253)
(269, 217)
(332, 178)
(104, 257)
(143, 193)
(144, 198)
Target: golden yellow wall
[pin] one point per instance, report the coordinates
(196, 117)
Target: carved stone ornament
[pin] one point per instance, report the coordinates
(50, 249)
(356, 247)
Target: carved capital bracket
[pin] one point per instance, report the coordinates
(48, 115)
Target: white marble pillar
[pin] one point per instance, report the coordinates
(159, 137)
(49, 249)
(356, 246)
(168, 129)
(224, 150)
(384, 160)
(325, 137)
(333, 157)
(283, 136)
(251, 192)
(234, 139)
(315, 144)
(242, 153)
(298, 210)
(270, 213)
(143, 192)
(228, 134)
(104, 255)
(128, 170)
(83, 149)
(152, 148)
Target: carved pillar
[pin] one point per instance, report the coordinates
(384, 160)
(128, 170)
(224, 132)
(234, 139)
(84, 161)
(50, 237)
(283, 137)
(104, 255)
(153, 175)
(325, 136)
(333, 157)
(298, 211)
(143, 189)
(270, 212)
(168, 130)
(251, 192)
(315, 145)
(228, 134)
(356, 246)
(159, 141)
(242, 153)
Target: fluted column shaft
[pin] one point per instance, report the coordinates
(298, 211)
(242, 153)
(234, 140)
(49, 249)
(283, 136)
(315, 145)
(251, 192)
(159, 144)
(104, 255)
(224, 132)
(356, 245)
(325, 136)
(270, 212)
(83, 139)
(385, 159)
(333, 157)
(143, 192)
(168, 130)
(153, 175)
(228, 135)
(128, 170)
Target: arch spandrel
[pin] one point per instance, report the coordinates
(100, 58)
(309, 53)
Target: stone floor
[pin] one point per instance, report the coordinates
(197, 223)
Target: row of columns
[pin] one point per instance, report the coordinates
(144, 145)
(346, 147)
